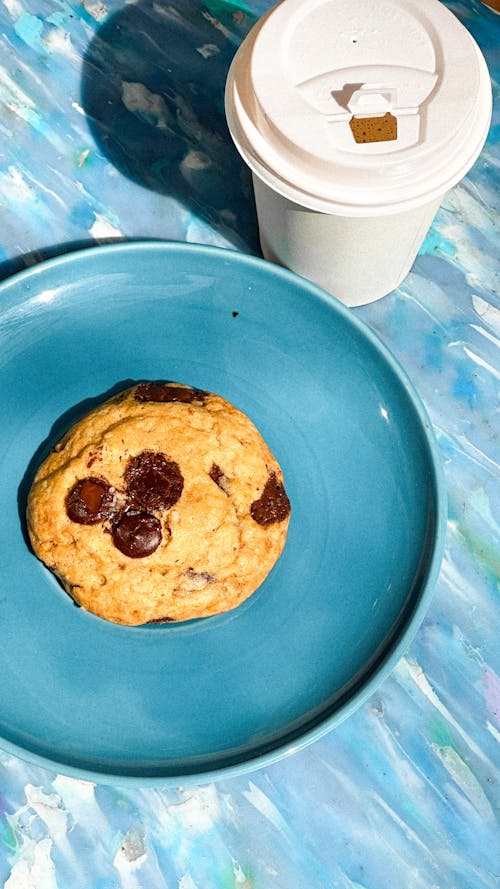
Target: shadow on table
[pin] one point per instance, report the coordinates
(26, 260)
(152, 88)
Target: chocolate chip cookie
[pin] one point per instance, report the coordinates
(162, 504)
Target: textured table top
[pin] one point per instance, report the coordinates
(112, 126)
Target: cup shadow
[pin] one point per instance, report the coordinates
(152, 87)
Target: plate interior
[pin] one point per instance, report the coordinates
(184, 700)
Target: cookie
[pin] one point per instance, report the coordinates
(162, 504)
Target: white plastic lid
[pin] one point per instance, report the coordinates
(312, 71)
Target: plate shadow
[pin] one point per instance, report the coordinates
(23, 261)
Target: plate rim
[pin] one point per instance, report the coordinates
(405, 636)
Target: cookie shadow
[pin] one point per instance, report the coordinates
(58, 429)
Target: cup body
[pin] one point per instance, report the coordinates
(357, 259)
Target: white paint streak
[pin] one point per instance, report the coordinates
(414, 671)
(96, 9)
(103, 228)
(478, 456)
(168, 12)
(14, 187)
(450, 574)
(23, 107)
(199, 812)
(493, 731)
(487, 312)
(133, 848)
(195, 160)
(216, 24)
(59, 42)
(138, 99)
(39, 186)
(48, 807)
(207, 50)
(409, 772)
(410, 834)
(187, 882)
(480, 502)
(486, 334)
(240, 877)
(466, 780)
(263, 804)
(15, 8)
(35, 870)
(130, 857)
(482, 363)
(82, 157)
(79, 798)
(410, 288)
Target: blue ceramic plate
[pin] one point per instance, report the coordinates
(192, 701)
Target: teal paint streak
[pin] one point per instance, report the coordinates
(436, 243)
(29, 28)
(220, 8)
(465, 387)
(7, 835)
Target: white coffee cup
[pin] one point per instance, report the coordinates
(355, 117)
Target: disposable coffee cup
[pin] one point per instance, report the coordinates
(355, 118)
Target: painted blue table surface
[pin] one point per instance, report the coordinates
(112, 126)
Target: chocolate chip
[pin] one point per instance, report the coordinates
(136, 534)
(200, 575)
(89, 501)
(215, 473)
(153, 481)
(166, 392)
(198, 579)
(93, 456)
(219, 477)
(273, 504)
